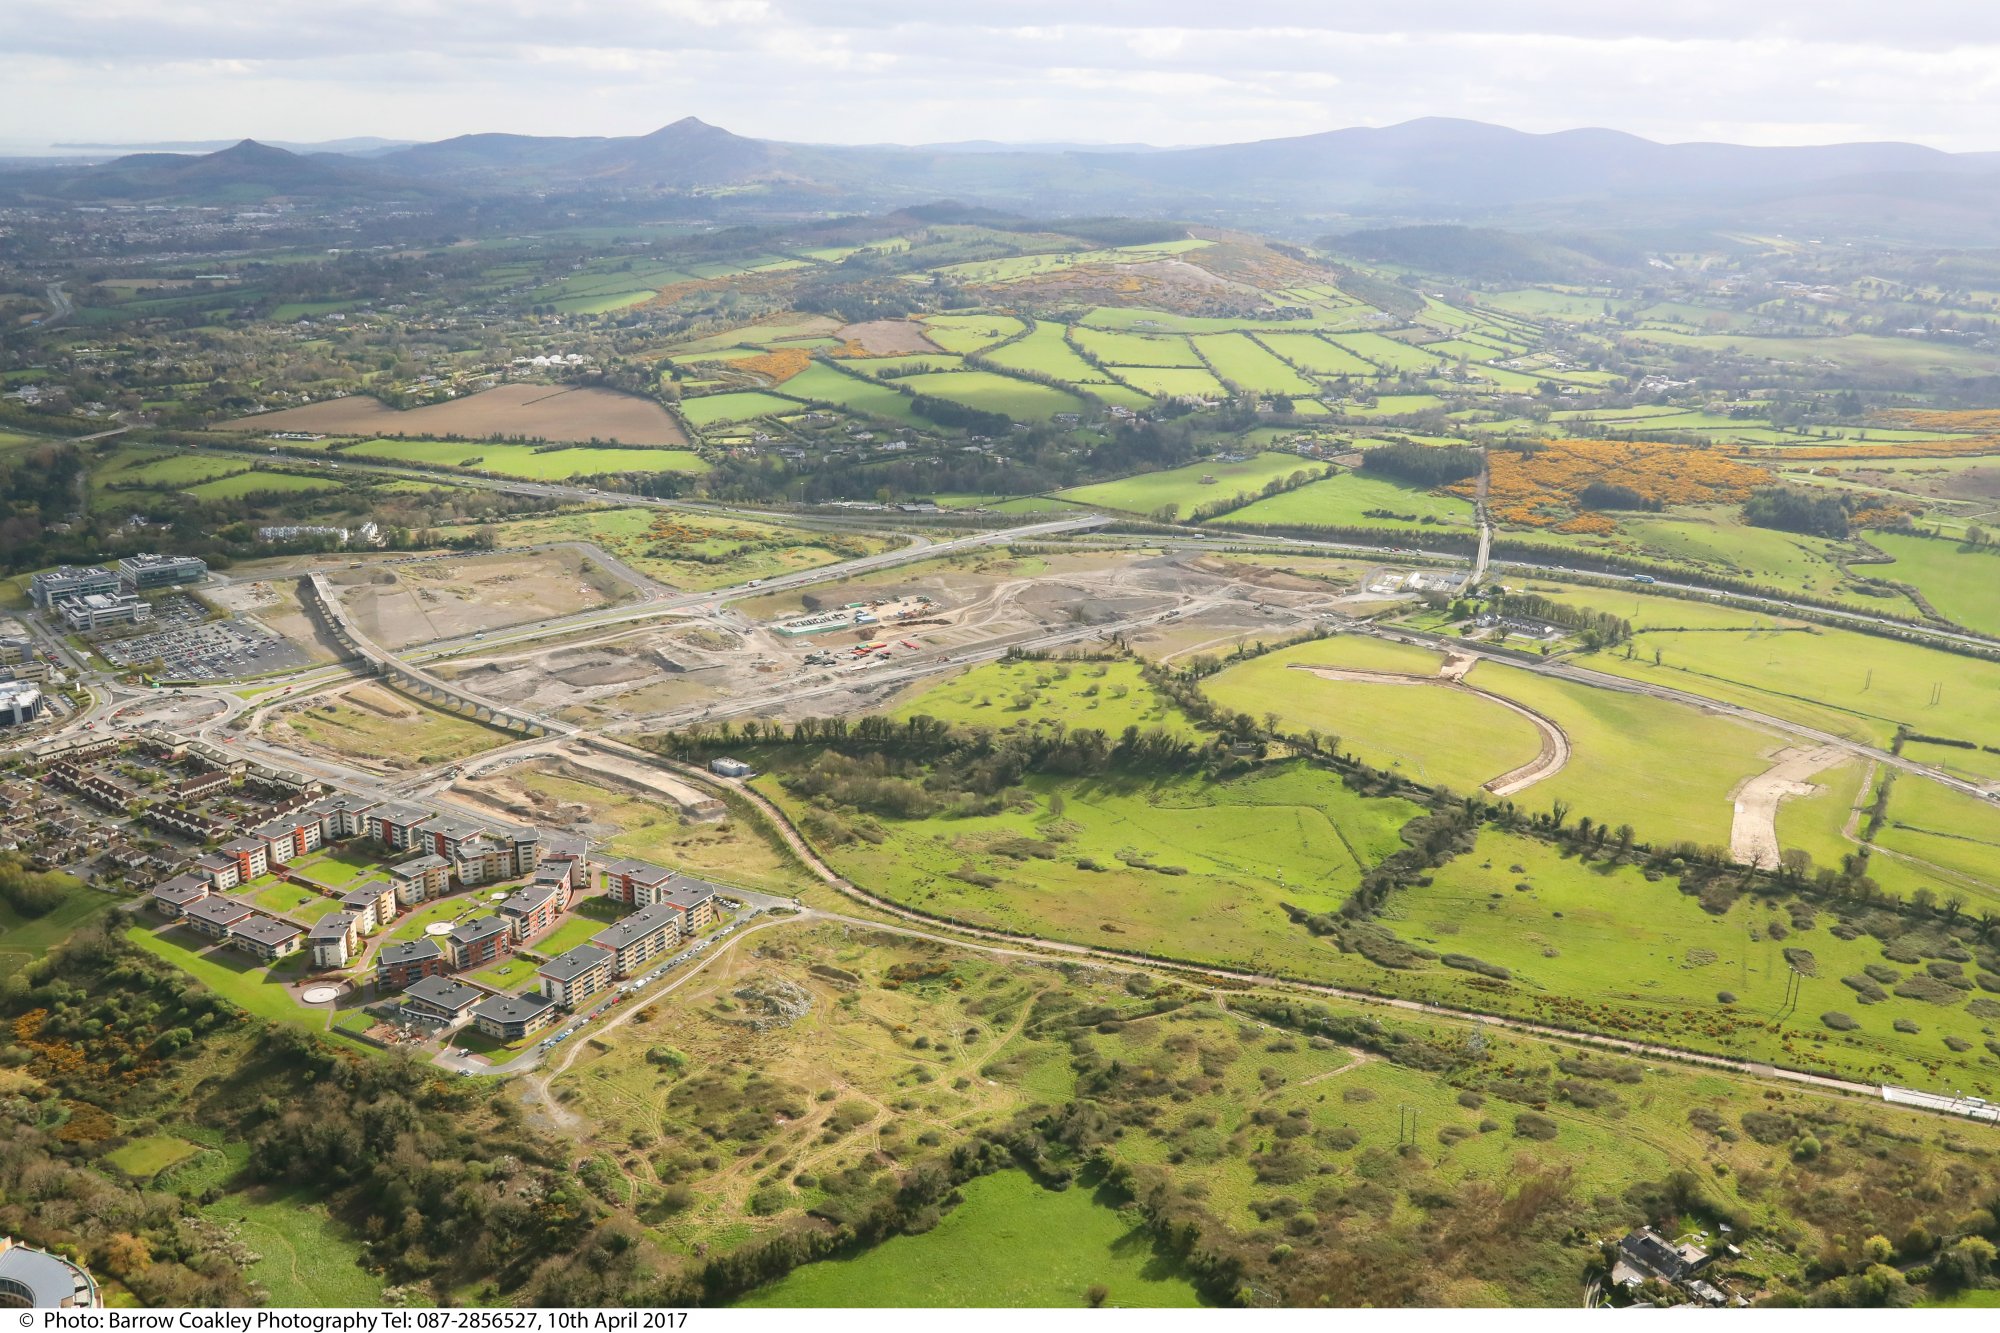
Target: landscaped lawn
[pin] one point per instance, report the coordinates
(231, 973)
(411, 925)
(340, 867)
(577, 930)
(1008, 1243)
(300, 904)
(508, 976)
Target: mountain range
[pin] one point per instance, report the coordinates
(1430, 170)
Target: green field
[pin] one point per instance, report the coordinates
(1854, 684)
(965, 334)
(1315, 355)
(146, 1157)
(1437, 735)
(1389, 353)
(1956, 833)
(823, 384)
(1589, 939)
(1184, 488)
(1962, 582)
(1109, 696)
(1045, 352)
(24, 939)
(1173, 383)
(721, 408)
(1021, 400)
(528, 462)
(249, 483)
(1137, 349)
(1182, 866)
(1354, 499)
(1237, 358)
(1665, 768)
(305, 1257)
(1009, 1243)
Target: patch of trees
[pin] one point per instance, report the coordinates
(1487, 253)
(439, 1178)
(958, 416)
(1599, 629)
(1423, 464)
(1793, 509)
(32, 893)
(1611, 495)
(1275, 486)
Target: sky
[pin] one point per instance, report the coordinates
(1082, 71)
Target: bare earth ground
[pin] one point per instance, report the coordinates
(372, 727)
(276, 605)
(1753, 833)
(888, 337)
(534, 411)
(441, 599)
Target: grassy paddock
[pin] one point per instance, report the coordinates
(1008, 1243)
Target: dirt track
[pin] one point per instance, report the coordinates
(1753, 833)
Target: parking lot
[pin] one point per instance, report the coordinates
(198, 649)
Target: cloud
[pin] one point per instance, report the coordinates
(1166, 71)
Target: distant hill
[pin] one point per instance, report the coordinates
(1432, 171)
(1490, 254)
(244, 173)
(360, 145)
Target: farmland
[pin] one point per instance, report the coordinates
(1226, 900)
(1354, 499)
(520, 460)
(1184, 488)
(513, 411)
(1849, 683)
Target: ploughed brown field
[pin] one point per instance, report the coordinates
(533, 411)
(888, 337)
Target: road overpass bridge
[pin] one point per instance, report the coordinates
(320, 600)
